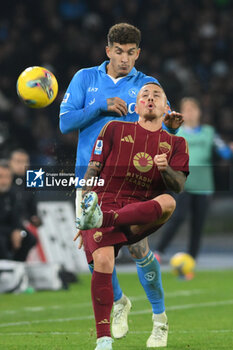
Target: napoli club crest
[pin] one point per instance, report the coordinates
(133, 92)
(149, 276)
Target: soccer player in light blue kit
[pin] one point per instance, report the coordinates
(94, 97)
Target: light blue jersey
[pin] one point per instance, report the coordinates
(84, 107)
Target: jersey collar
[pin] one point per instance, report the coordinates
(102, 68)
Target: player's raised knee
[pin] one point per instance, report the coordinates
(167, 203)
(171, 203)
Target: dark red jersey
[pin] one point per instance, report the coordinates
(127, 153)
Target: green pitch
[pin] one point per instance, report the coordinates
(200, 314)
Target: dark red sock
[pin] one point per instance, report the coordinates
(102, 301)
(133, 214)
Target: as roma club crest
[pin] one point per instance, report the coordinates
(164, 147)
(98, 236)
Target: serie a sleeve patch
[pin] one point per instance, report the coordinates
(98, 147)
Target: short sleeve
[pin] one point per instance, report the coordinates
(103, 144)
(180, 156)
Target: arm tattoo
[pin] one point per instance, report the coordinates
(140, 249)
(93, 170)
(110, 101)
(174, 180)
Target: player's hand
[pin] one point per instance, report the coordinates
(173, 120)
(79, 235)
(117, 105)
(161, 161)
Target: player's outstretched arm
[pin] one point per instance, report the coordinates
(93, 171)
(173, 179)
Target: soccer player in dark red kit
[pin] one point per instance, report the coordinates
(137, 162)
(94, 97)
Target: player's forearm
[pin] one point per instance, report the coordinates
(75, 119)
(93, 171)
(174, 180)
(169, 129)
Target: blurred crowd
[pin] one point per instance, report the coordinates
(187, 45)
(18, 208)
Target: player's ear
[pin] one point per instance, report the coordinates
(138, 53)
(136, 108)
(107, 50)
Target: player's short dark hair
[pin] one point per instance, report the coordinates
(124, 33)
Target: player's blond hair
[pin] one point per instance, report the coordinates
(153, 83)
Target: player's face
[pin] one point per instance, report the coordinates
(191, 113)
(5, 179)
(151, 102)
(122, 59)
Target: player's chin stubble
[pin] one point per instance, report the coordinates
(150, 117)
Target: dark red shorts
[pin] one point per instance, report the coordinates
(102, 237)
(112, 236)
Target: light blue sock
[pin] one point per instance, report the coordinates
(149, 275)
(117, 291)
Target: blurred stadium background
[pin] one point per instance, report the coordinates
(187, 45)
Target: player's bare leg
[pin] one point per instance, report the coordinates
(102, 295)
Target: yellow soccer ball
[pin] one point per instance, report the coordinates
(37, 87)
(182, 264)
